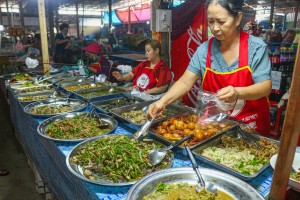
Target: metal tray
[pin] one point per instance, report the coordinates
(100, 104)
(41, 89)
(81, 105)
(87, 82)
(171, 111)
(152, 132)
(216, 141)
(82, 93)
(43, 126)
(17, 86)
(231, 185)
(77, 169)
(48, 93)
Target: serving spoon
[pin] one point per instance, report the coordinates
(158, 154)
(201, 183)
(102, 124)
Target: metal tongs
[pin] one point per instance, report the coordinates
(102, 124)
(248, 137)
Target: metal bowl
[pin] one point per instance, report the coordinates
(43, 126)
(77, 169)
(231, 185)
(80, 106)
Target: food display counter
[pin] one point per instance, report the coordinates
(49, 158)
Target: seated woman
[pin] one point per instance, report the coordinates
(101, 64)
(151, 76)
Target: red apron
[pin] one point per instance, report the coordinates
(256, 113)
(146, 77)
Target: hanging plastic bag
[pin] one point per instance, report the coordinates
(19, 46)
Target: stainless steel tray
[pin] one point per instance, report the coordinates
(152, 132)
(59, 95)
(43, 126)
(88, 82)
(80, 106)
(216, 141)
(38, 89)
(84, 93)
(171, 111)
(100, 104)
(77, 169)
(231, 185)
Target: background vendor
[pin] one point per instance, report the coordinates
(99, 63)
(151, 76)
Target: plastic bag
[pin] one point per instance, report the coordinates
(19, 46)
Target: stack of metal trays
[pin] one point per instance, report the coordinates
(29, 97)
(137, 114)
(266, 148)
(168, 131)
(105, 106)
(100, 93)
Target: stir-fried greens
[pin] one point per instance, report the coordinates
(92, 94)
(80, 126)
(238, 155)
(117, 158)
(117, 103)
(296, 176)
(32, 98)
(20, 77)
(82, 86)
(54, 108)
(184, 191)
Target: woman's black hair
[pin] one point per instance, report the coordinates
(232, 6)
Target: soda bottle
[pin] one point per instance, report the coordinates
(276, 59)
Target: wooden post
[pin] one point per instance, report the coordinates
(289, 137)
(44, 39)
(296, 15)
(1, 19)
(51, 24)
(21, 11)
(129, 20)
(77, 21)
(8, 15)
(272, 12)
(109, 16)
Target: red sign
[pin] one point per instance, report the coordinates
(184, 47)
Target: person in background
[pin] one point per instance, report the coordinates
(232, 64)
(62, 42)
(151, 76)
(100, 63)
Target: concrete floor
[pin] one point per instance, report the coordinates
(20, 183)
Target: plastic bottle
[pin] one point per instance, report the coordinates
(276, 59)
(81, 67)
(271, 57)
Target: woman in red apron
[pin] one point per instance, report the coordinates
(151, 76)
(233, 83)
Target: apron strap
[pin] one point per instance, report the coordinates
(243, 50)
(208, 60)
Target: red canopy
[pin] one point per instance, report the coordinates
(137, 13)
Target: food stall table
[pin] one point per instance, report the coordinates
(49, 158)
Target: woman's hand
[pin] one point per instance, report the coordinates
(156, 107)
(228, 94)
(118, 75)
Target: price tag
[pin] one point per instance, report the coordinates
(276, 79)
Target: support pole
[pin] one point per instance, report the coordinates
(44, 39)
(77, 21)
(272, 12)
(296, 14)
(51, 24)
(129, 20)
(21, 12)
(1, 19)
(109, 16)
(8, 14)
(289, 137)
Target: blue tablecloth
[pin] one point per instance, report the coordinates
(49, 158)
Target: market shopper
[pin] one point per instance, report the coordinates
(63, 44)
(151, 76)
(233, 64)
(100, 64)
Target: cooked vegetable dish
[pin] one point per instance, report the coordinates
(32, 98)
(92, 94)
(82, 86)
(20, 77)
(116, 103)
(246, 158)
(80, 126)
(136, 116)
(117, 158)
(54, 108)
(178, 127)
(296, 176)
(184, 191)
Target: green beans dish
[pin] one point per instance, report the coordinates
(116, 159)
(80, 126)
